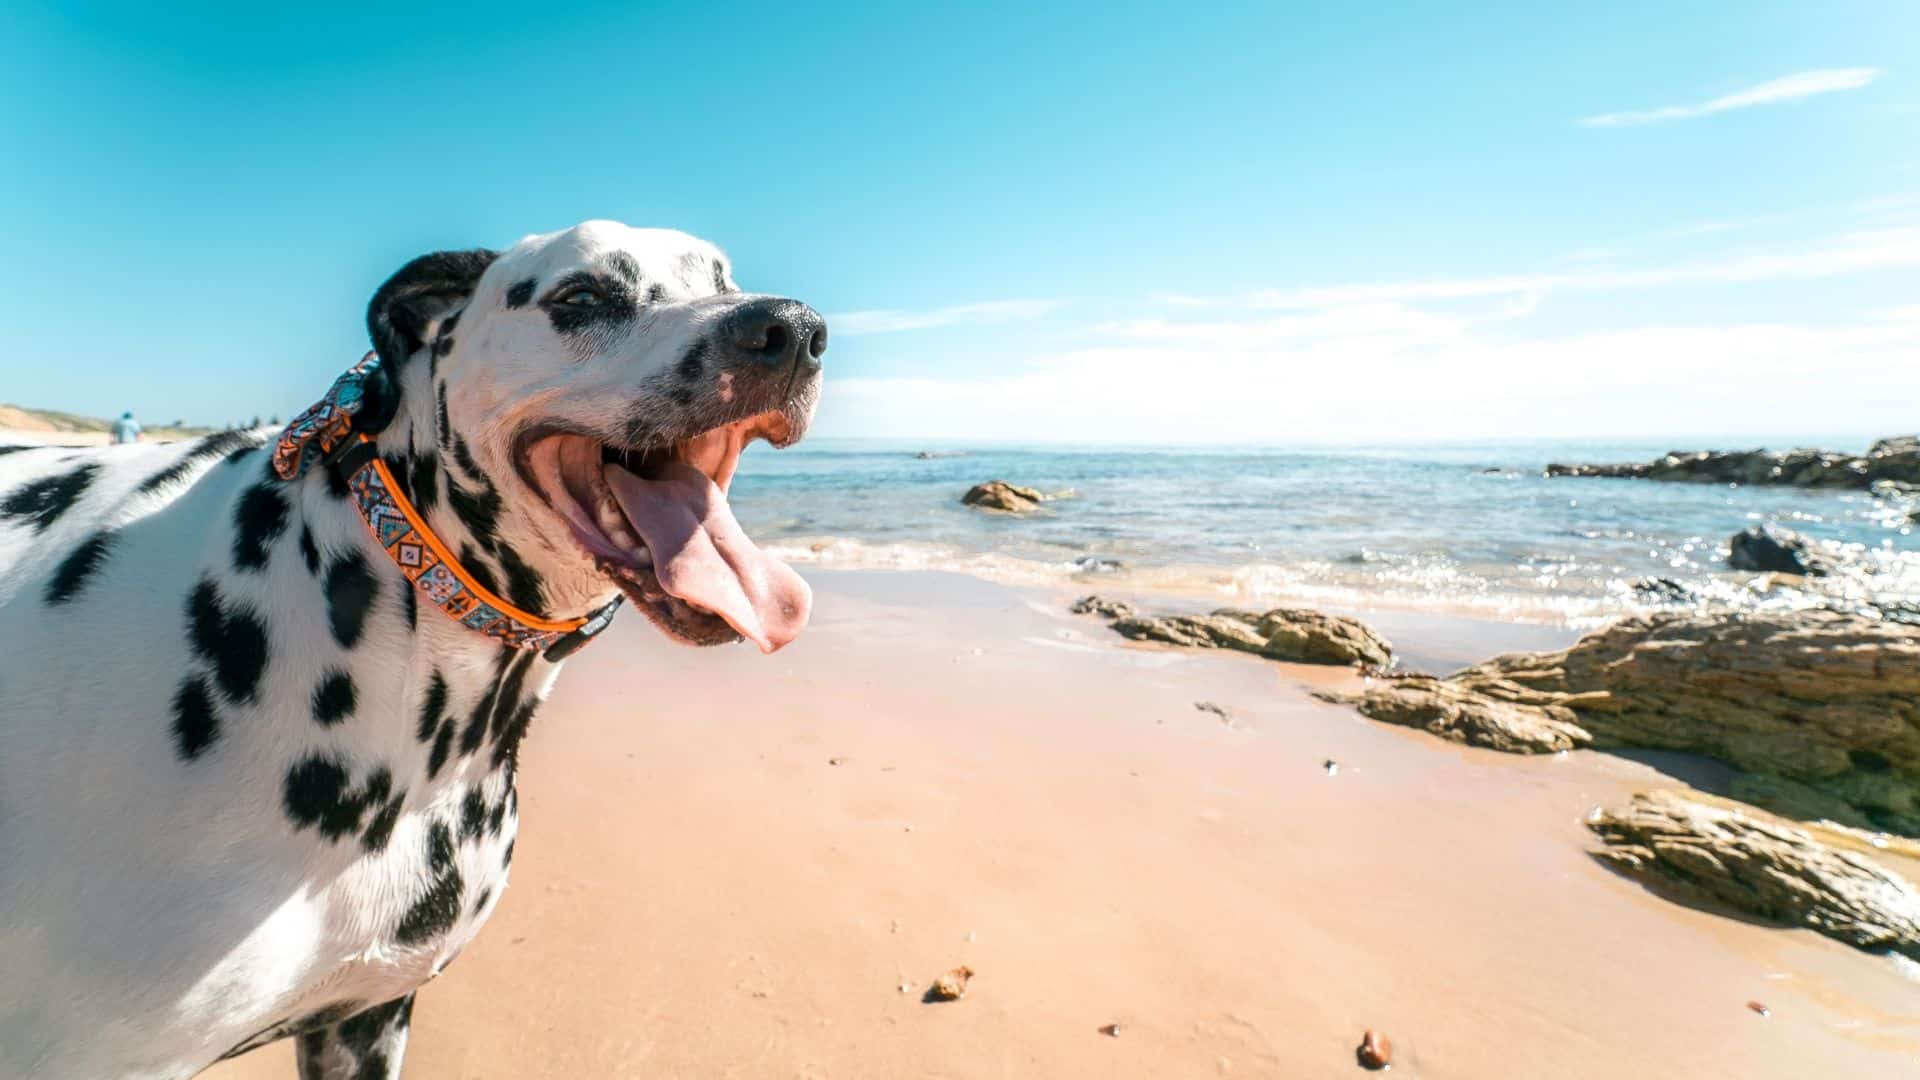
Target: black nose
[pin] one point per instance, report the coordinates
(779, 333)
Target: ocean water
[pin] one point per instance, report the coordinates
(1467, 529)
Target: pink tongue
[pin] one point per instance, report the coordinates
(702, 556)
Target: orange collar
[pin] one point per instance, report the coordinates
(325, 432)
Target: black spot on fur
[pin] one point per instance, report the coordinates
(442, 430)
(435, 912)
(681, 396)
(432, 706)
(443, 345)
(351, 588)
(212, 446)
(309, 554)
(447, 324)
(656, 293)
(410, 604)
(524, 586)
(480, 902)
(617, 303)
(519, 293)
(506, 857)
(333, 699)
(43, 501)
(442, 746)
(336, 484)
(478, 511)
(258, 521)
(473, 814)
(476, 730)
(691, 365)
(232, 640)
(195, 723)
(5, 450)
(318, 793)
(79, 565)
(626, 266)
(380, 827)
(507, 748)
(719, 276)
(425, 490)
(242, 452)
(479, 571)
(497, 819)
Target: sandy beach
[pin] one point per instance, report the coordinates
(739, 866)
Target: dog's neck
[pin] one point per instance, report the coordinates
(473, 506)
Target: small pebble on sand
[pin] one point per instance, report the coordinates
(1374, 1051)
(952, 986)
(1759, 1008)
(1111, 1031)
(1332, 767)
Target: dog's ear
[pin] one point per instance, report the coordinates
(425, 290)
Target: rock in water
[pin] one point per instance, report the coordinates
(1828, 700)
(1000, 495)
(1895, 459)
(1753, 862)
(1296, 635)
(1775, 551)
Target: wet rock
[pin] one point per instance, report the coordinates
(1000, 495)
(1724, 854)
(1296, 635)
(1099, 564)
(1491, 713)
(1776, 551)
(1895, 459)
(1103, 607)
(1665, 590)
(1829, 700)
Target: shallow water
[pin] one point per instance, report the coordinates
(1474, 529)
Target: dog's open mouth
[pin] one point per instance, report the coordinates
(656, 521)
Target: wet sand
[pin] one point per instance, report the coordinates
(700, 891)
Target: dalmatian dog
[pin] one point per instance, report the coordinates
(254, 784)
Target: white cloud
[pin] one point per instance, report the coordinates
(1440, 383)
(1796, 87)
(890, 322)
(1880, 249)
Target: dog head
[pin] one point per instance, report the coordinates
(589, 392)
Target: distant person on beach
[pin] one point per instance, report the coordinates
(126, 429)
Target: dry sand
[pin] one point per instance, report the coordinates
(700, 891)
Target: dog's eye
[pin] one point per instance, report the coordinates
(579, 298)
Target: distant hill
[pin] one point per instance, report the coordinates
(50, 422)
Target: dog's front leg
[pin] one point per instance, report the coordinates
(365, 1046)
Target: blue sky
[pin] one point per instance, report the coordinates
(1268, 222)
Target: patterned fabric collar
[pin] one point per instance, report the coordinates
(324, 433)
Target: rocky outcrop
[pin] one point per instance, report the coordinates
(1826, 700)
(1102, 606)
(1000, 495)
(1727, 855)
(1776, 551)
(1485, 714)
(1895, 460)
(1296, 635)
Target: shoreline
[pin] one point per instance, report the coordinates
(703, 891)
